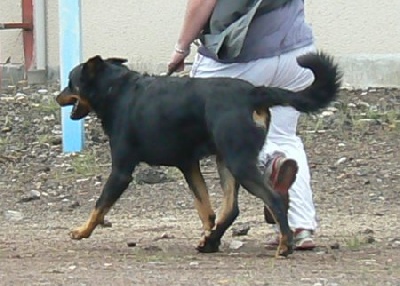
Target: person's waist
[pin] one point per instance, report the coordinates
(259, 51)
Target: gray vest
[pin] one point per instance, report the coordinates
(228, 25)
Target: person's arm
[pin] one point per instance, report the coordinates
(196, 16)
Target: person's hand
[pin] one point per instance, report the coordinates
(177, 62)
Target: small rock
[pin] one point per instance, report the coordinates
(340, 161)
(164, 236)
(368, 231)
(367, 120)
(69, 169)
(72, 267)
(107, 264)
(236, 244)
(194, 263)
(131, 243)
(342, 145)
(336, 245)
(321, 252)
(343, 176)
(22, 82)
(43, 91)
(6, 129)
(32, 196)
(395, 242)
(49, 118)
(332, 108)
(151, 176)
(13, 215)
(56, 140)
(370, 239)
(35, 193)
(326, 113)
(44, 169)
(74, 205)
(351, 105)
(240, 229)
(364, 104)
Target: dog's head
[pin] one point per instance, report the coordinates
(85, 80)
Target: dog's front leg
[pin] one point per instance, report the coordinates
(197, 185)
(123, 164)
(113, 189)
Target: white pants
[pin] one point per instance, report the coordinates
(280, 71)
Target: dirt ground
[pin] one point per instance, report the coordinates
(353, 154)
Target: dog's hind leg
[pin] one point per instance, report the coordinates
(197, 185)
(251, 179)
(229, 211)
(117, 182)
(239, 136)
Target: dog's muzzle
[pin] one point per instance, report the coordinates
(81, 107)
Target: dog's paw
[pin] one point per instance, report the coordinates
(284, 251)
(79, 233)
(207, 245)
(285, 247)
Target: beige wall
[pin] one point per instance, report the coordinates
(364, 34)
(10, 40)
(357, 26)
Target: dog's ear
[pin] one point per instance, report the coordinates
(93, 66)
(117, 61)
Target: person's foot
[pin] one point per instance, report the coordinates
(280, 173)
(302, 240)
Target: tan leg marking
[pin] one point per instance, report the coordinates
(230, 192)
(261, 118)
(96, 217)
(283, 246)
(202, 202)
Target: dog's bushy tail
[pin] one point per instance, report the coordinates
(323, 90)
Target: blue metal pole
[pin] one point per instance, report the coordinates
(70, 56)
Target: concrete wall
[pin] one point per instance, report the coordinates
(363, 34)
(10, 40)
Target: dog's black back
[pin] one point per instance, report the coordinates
(171, 120)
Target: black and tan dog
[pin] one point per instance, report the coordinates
(176, 121)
